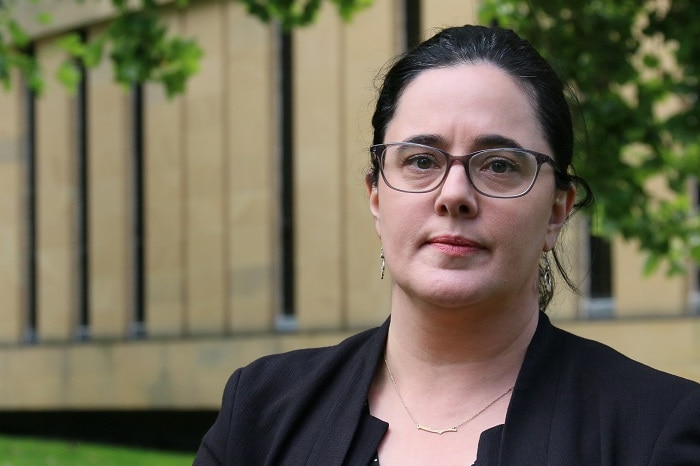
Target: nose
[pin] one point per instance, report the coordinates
(457, 196)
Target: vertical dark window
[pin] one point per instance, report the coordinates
(30, 265)
(138, 227)
(286, 192)
(697, 212)
(695, 298)
(412, 20)
(82, 331)
(600, 303)
(601, 275)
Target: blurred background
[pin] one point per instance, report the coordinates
(170, 211)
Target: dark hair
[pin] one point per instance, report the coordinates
(517, 58)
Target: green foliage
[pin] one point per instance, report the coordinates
(13, 43)
(138, 43)
(141, 50)
(633, 68)
(20, 451)
(293, 13)
(136, 39)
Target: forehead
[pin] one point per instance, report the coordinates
(461, 103)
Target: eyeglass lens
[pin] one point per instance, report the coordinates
(493, 172)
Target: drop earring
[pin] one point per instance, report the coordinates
(381, 256)
(547, 274)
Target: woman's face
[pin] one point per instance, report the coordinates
(454, 247)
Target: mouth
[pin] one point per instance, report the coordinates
(457, 246)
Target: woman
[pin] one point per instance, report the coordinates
(468, 370)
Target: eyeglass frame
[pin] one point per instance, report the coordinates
(464, 160)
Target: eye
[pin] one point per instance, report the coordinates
(497, 165)
(422, 162)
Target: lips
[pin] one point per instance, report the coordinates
(455, 245)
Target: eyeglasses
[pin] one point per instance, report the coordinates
(501, 173)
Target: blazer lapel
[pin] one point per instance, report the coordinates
(347, 415)
(528, 426)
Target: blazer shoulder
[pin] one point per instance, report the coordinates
(304, 366)
(275, 409)
(602, 407)
(616, 372)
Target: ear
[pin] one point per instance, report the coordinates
(562, 204)
(373, 194)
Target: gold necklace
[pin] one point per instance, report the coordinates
(420, 426)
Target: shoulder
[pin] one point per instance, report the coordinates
(642, 407)
(274, 408)
(602, 405)
(308, 361)
(616, 372)
(653, 413)
(575, 368)
(286, 378)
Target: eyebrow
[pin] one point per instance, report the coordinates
(496, 140)
(481, 142)
(433, 140)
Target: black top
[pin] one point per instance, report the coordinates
(575, 402)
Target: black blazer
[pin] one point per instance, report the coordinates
(575, 402)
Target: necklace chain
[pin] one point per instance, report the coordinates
(425, 428)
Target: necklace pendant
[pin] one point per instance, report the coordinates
(436, 431)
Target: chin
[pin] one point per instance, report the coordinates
(463, 291)
(455, 297)
(456, 302)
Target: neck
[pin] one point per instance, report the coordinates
(475, 345)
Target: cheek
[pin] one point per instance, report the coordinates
(401, 217)
(398, 217)
(398, 207)
(520, 226)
